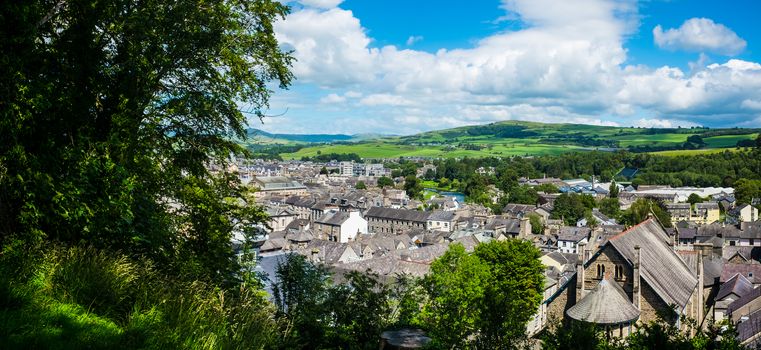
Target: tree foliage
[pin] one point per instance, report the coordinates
(641, 209)
(385, 181)
(482, 299)
(111, 111)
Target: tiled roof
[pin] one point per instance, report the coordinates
(662, 269)
(748, 329)
(606, 304)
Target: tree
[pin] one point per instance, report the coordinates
(694, 198)
(547, 188)
(569, 207)
(360, 185)
(524, 195)
(412, 186)
(610, 207)
(758, 141)
(746, 190)
(385, 181)
(536, 223)
(483, 299)
(430, 174)
(696, 139)
(613, 190)
(641, 209)
(323, 171)
(111, 112)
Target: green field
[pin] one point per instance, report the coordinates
(692, 152)
(517, 138)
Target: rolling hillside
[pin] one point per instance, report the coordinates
(512, 138)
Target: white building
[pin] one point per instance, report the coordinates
(340, 226)
(346, 168)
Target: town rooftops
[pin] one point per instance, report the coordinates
(573, 233)
(518, 209)
(744, 300)
(441, 215)
(662, 269)
(336, 218)
(751, 271)
(606, 304)
(397, 214)
(737, 285)
(275, 183)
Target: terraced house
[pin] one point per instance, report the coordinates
(389, 220)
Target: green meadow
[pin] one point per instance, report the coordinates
(517, 138)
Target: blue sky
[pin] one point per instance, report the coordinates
(400, 67)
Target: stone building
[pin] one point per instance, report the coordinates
(395, 221)
(645, 269)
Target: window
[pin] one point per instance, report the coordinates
(731, 242)
(619, 273)
(600, 270)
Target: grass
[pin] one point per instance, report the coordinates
(692, 152)
(84, 298)
(725, 141)
(520, 139)
(389, 150)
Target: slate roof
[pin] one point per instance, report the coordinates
(397, 214)
(273, 244)
(745, 299)
(687, 233)
(606, 304)
(737, 285)
(518, 209)
(751, 271)
(573, 233)
(328, 252)
(748, 329)
(747, 252)
(336, 218)
(441, 215)
(661, 268)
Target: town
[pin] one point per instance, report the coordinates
(700, 265)
(393, 175)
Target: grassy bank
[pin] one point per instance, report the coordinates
(83, 298)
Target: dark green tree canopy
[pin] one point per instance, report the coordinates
(111, 111)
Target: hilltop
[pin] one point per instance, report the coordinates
(510, 138)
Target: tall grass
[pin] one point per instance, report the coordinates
(82, 297)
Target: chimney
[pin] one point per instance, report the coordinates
(525, 228)
(636, 295)
(580, 273)
(701, 300)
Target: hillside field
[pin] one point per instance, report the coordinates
(532, 139)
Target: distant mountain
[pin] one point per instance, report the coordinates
(309, 138)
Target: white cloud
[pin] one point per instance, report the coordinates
(322, 4)
(385, 99)
(413, 39)
(568, 64)
(663, 123)
(700, 35)
(332, 99)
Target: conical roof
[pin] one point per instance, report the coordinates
(606, 304)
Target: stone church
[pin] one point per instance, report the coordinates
(635, 276)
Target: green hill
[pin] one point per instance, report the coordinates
(512, 138)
